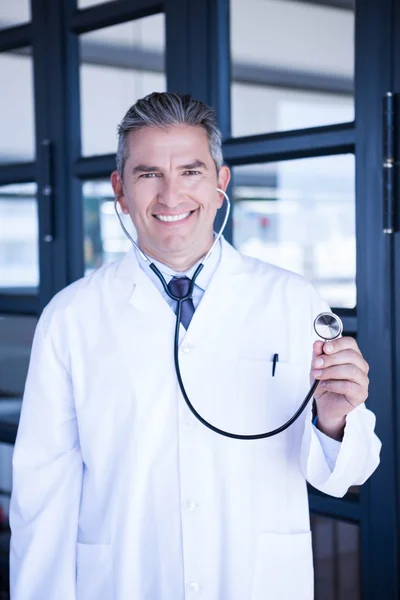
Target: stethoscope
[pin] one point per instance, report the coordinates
(327, 326)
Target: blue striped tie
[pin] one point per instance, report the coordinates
(179, 286)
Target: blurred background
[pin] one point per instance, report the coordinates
(299, 88)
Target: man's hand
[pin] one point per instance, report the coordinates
(343, 375)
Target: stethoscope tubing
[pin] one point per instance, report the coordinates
(180, 300)
(236, 436)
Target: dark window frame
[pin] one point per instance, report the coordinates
(198, 62)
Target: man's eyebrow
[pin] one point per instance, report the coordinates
(196, 164)
(145, 169)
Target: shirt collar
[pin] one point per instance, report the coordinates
(203, 278)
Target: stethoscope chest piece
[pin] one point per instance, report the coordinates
(328, 326)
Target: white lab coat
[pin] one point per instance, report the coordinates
(120, 494)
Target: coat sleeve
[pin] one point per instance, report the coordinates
(358, 456)
(47, 478)
(357, 459)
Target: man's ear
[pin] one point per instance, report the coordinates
(224, 177)
(118, 189)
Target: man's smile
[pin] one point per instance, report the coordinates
(174, 217)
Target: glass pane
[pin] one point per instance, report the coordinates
(5, 482)
(292, 65)
(17, 107)
(16, 335)
(6, 452)
(336, 548)
(104, 239)
(300, 215)
(19, 253)
(14, 13)
(119, 64)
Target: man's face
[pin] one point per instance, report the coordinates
(169, 189)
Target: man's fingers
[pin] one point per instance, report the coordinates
(350, 389)
(334, 346)
(343, 343)
(350, 357)
(318, 348)
(341, 372)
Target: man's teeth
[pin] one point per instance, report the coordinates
(168, 218)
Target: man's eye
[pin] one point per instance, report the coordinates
(150, 175)
(191, 172)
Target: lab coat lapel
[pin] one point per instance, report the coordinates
(145, 328)
(147, 299)
(145, 296)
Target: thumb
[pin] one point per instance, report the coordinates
(318, 348)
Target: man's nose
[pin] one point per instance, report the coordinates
(169, 193)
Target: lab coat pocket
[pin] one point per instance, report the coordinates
(266, 402)
(284, 568)
(94, 572)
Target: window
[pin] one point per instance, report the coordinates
(104, 239)
(17, 140)
(119, 65)
(292, 65)
(19, 258)
(300, 215)
(14, 13)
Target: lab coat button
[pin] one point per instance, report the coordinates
(190, 505)
(193, 587)
(186, 348)
(188, 425)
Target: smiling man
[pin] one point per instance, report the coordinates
(118, 491)
(172, 200)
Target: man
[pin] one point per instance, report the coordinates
(119, 492)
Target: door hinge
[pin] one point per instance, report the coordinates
(389, 163)
(47, 191)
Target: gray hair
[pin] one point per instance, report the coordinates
(166, 109)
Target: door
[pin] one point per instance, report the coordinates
(299, 87)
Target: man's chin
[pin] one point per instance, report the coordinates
(178, 248)
(180, 257)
